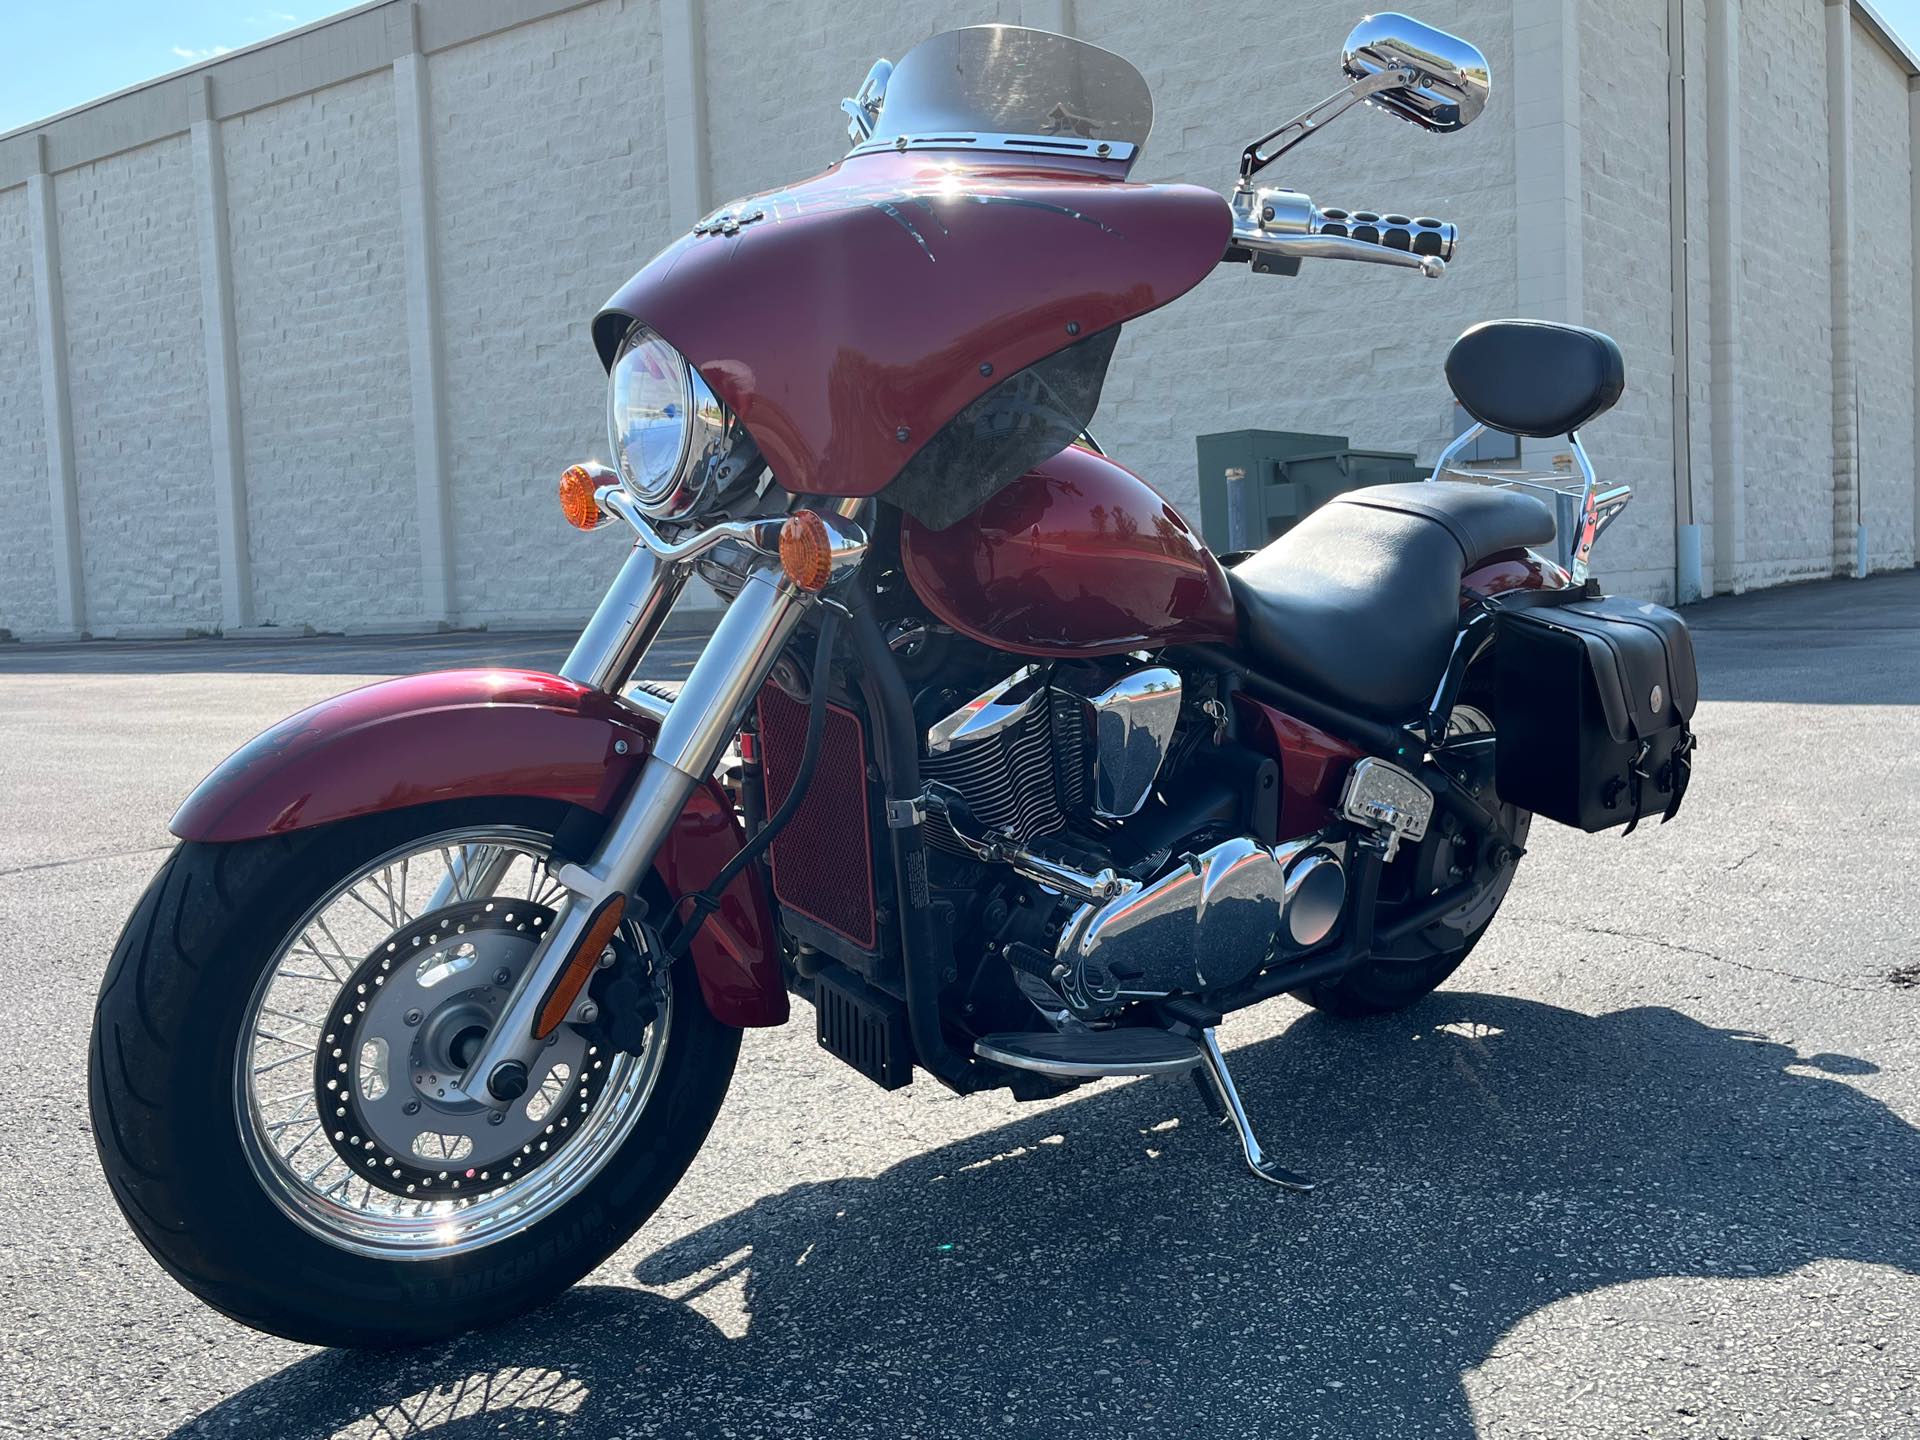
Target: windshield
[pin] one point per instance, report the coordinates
(1001, 87)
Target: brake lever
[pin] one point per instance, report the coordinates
(1337, 247)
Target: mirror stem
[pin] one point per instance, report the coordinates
(1256, 158)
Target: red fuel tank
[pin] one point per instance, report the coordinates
(1079, 557)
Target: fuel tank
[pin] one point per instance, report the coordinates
(1079, 557)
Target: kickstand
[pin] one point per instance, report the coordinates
(1224, 1095)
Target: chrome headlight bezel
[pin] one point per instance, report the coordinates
(693, 434)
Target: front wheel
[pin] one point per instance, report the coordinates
(269, 1066)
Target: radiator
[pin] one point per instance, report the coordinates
(823, 861)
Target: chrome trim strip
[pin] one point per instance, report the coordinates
(988, 714)
(983, 140)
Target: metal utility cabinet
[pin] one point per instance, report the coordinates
(1255, 485)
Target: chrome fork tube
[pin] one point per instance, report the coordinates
(629, 616)
(697, 728)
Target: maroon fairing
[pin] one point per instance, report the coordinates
(1081, 557)
(853, 315)
(462, 734)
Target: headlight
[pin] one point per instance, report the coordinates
(665, 426)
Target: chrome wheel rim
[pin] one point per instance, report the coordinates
(284, 1054)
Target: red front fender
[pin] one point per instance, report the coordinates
(463, 734)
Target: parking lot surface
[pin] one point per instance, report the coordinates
(1647, 1167)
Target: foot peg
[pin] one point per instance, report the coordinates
(1091, 1054)
(1216, 1071)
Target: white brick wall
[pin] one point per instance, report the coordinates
(1883, 280)
(551, 162)
(549, 167)
(1786, 317)
(26, 574)
(130, 275)
(1627, 211)
(320, 312)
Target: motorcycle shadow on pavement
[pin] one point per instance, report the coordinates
(1095, 1270)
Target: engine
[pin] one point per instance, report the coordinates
(1016, 754)
(1038, 772)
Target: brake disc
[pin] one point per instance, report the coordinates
(403, 1028)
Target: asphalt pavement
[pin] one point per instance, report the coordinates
(1647, 1167)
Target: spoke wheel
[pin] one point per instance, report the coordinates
(366, 1015)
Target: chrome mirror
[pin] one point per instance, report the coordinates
(1444, 80)
(1435, 80)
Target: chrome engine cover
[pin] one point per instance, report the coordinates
(1131, 719)
(1213, 921)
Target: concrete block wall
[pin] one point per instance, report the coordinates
(384, 236)
(550, 184)
(320, 312)
(1785, 306)
(27, 605)
(137, 377)
(1883, 320)
(1629, 284)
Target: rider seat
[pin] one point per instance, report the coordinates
(1358, 604)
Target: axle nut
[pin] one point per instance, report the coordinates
(508, 1081)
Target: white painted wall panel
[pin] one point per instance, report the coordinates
(549, 165)
(320, 319)
(136, 367)
(1883, 300)
(26, 574)
(1786, 319)
(1626, 205)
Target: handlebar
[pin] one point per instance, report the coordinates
(1275, 229)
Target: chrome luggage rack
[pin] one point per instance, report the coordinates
(1581, 511)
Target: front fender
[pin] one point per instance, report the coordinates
(465, 734)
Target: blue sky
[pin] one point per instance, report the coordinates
(55, 54)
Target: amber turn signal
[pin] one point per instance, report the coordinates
(578, 485)
(579, 969)
(806, 550)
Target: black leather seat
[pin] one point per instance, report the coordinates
(1358, 604)
(1532, 377)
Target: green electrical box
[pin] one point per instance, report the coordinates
(1255, 485)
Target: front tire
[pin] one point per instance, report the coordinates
(178, 1019)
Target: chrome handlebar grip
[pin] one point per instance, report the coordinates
(1287, 224)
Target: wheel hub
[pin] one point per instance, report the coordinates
(405, 1026)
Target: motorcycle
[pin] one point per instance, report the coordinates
(989, 758)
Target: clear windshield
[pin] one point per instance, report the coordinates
(1003, 87)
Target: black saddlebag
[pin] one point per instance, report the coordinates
(1594, 696)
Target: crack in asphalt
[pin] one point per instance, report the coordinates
(83, 860)
(1698, 953)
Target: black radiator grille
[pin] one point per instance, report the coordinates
(823, 861)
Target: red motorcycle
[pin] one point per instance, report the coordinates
(988, 758)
